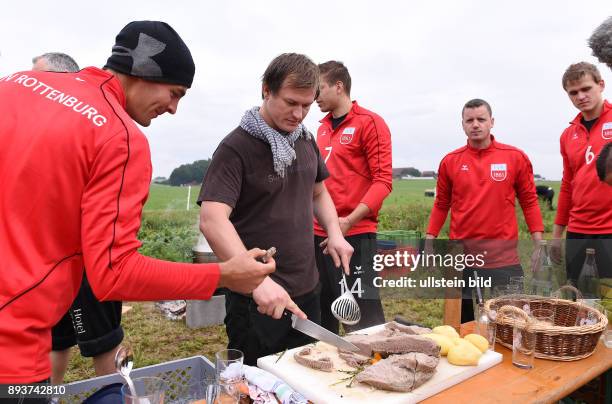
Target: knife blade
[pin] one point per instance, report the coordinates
(319, 333)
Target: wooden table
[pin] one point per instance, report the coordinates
(548, 381)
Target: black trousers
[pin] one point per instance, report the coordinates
(95, 326)
(362, 272)
(499, 277)
(575, 253)
(257, 334)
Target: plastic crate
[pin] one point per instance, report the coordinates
(177, 374)
(398, 239)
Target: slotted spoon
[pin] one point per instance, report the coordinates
(345, 307)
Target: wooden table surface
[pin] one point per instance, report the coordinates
(548, 381)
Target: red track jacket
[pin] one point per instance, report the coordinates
(358, 157)
(585, 203)
(480, 187)
(75, 173)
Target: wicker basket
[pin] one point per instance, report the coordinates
(562, 342)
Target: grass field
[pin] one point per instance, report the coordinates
(169, 231)
(167, 198)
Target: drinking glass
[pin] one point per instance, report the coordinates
(486, 294)
(607, 338)
(149, 390)
(523, 345)
(485, 325)
(230, 391)
(517, 282)
(198, 392)
(508, 293)
(544, 316)
(228, 365)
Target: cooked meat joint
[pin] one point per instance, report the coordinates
(400, 372)
(407, 329)
(314, 359)
(394, 344)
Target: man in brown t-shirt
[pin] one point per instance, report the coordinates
(262, 187)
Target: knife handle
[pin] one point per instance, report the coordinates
(269, 254)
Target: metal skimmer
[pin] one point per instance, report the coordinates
(345, 307)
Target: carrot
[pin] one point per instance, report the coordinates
(243, 388)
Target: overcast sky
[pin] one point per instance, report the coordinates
(415, 64)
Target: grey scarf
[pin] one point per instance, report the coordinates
(281, 145)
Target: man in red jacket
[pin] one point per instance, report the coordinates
(75, 172)
(584, 206)
(356, 146)
(479, 183)
(96, 328)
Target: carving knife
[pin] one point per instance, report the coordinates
(319, 333)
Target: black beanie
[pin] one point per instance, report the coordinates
(152, 50)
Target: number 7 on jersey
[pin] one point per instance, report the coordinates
(329, 151)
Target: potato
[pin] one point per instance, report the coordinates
(445, 330)
(443, 342)
(457, 340)
(479, 341)
(464, 354)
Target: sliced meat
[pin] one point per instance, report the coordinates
(361, 341)
(364, 342)
(400, 372)
(407, 329)
(391, 341)
(418, 361)
(354, 359)
(405, 343)
(314, 359)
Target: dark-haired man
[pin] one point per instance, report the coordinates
(601, 42)
(262, 187)
(479, 183)
(604, 164)
(75, 133)
(92, 325)
(584, 201)
(356, 145)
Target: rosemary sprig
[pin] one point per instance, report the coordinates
(280, 355)
(351, 376)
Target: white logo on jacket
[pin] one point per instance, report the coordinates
(347, 135)
(606, 131)
(499, 171)
(574, 136)
(464, 167)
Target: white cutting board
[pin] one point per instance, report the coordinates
(317, 386)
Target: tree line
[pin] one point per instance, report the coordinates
(188, 174)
